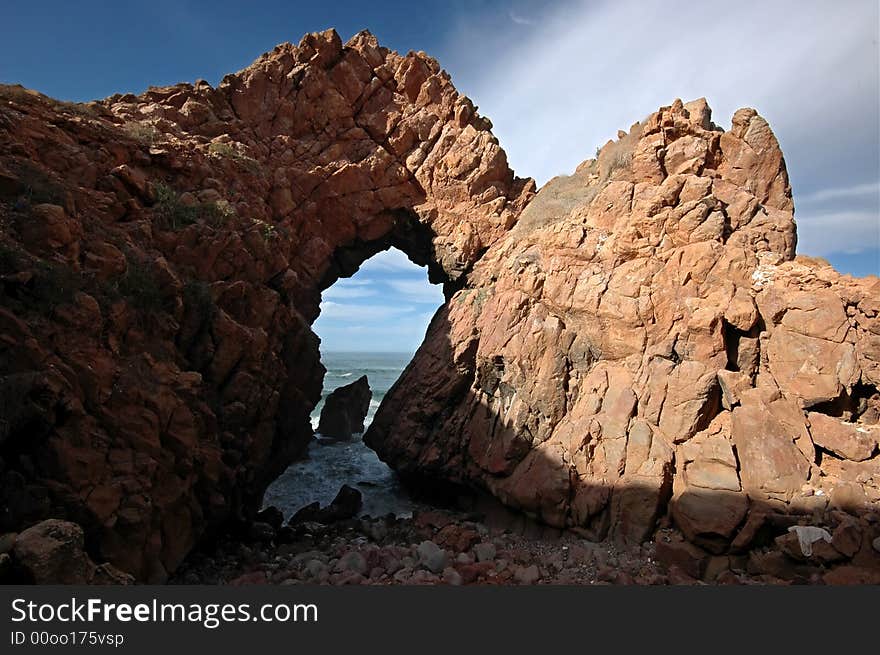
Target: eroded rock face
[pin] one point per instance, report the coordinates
(637, 341)
(345, 409)
(645, 342)
(162, 258)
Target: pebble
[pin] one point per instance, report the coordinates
(314, 567)
(451, 576)
(527, 574)
(485, 551)
(406, 551)
(352, 561)
(432, 557)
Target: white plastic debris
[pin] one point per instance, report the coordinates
(808, 535)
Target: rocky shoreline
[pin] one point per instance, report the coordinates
(487, 545)
(453, 547)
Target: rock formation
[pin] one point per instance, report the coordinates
(345, 409)
(345, 505)
(52, 552)
(644, 343)
(636, 341)
(162, 257)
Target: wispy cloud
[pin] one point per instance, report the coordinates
(388, 260)
(404, 333)
(519, 20)
(343, 291)
(331, 310)
(381, 308)
(417, 291)
(848, 192)
(824, 233)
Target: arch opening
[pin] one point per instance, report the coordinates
(377, 301)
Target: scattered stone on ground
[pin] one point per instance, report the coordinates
(437, 547)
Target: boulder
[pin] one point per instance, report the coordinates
(432, 557)
(645, 342)
(847, 440)
(345, 505)
(345, 409)
(192, 386)
(52, 552)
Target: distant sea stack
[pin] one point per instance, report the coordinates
(345, 409)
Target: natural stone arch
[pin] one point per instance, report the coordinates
(240, 203)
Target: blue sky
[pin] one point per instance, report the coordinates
(384, 307)
(556, 78)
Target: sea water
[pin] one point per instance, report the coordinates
(331, 463)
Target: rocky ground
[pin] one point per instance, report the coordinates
(437, 547)
(459, 548)
(486, 545)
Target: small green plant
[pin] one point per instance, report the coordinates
(78, 108)
(37, 188)
(217, 214)
(620, 159)
(268, 231)
(172, 213)
(143, 132)
(220, 149)
(175, 215)
(228, 151)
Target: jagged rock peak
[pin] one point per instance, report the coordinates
(644, 344)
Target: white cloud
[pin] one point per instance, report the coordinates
(590, 68)
(403, 334)
(838, 232)
(519, 20)
(343, 291)
(418, 291)
(388, 260)
(350, 312)
(848, 192)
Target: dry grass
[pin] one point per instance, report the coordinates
(142, 132)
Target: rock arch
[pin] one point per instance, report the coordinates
(235, 206)
(608, 350)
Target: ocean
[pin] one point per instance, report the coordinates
(329, 463)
